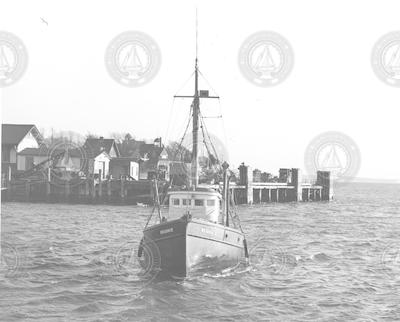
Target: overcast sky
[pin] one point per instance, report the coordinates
(331, 88)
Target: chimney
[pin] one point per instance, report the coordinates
(101, 143)
(157, 140)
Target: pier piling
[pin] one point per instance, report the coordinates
(324, 180)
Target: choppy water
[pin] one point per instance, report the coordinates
(337, 261)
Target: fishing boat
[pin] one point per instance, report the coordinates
(200, 224)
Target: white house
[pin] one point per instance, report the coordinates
(99, 152)
(16, 138)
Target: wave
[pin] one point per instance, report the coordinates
(320, 257)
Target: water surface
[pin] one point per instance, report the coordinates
(337, 261)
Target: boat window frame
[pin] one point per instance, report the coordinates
(174, 200)
(199, 200)
(212, 201)
(186, 202)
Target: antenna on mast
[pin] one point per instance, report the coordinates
(197, 36)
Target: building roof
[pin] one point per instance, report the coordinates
(150, 151)
(123, 160)
(12, 134)
(45, 152)
(130, 148)
(147, 154)
(95, 146)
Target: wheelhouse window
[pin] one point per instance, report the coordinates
(186, 202)
(199, 202)
(175, 202)
(211, 203)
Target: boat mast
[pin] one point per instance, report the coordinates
(195, 131)
(196, 116)
(196, 112)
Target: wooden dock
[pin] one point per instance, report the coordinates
(49, 188)
(290, 188)
(85, 191)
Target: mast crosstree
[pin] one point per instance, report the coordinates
(195, 116)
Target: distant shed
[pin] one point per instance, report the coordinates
(124, 167)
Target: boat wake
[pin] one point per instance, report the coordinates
(217, 267)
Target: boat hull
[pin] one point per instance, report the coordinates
(174, 248)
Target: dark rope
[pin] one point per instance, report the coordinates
(209, 138)
(184, 134)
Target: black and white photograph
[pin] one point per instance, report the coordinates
(200, 160)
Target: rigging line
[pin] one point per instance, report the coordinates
(220, 108)
(214, 150)
(149, 218)
(173, 104)
(204, 138)
(183, 124)
(213, 117)
(187, 126)
(171, 110)
(235, 211)
(184, 84)
(223, 127)
(208, 83)
(209, 138)
(184, 134)
(207, 147)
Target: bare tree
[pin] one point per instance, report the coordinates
(90, 135)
